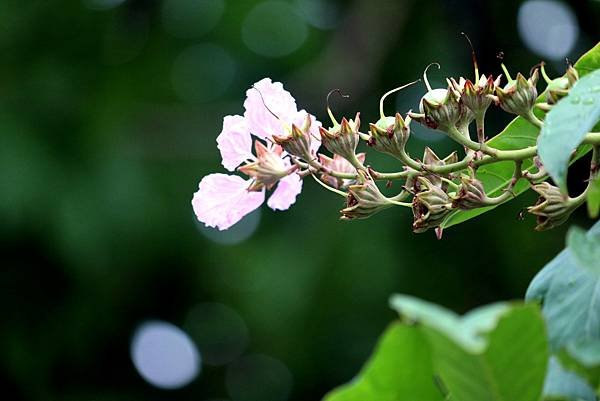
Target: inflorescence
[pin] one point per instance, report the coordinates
(288, 147)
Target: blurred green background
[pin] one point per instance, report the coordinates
(109, 110)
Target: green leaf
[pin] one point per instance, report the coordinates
(512, 366)
(570, 297)
(494, 353)
(593, 198)
(462, 330)
(585, 248)
(518, 133)
(567, 124)
(583, 358)
(401, 368)
(589, 62)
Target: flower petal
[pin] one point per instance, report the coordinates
(222, 200)
(286, 192)
(260, 121)
(234, 142)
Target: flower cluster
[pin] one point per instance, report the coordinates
(270, 118)
(287, 148)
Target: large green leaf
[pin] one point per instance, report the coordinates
(495, 353)
(567, 124)
(585, 249)
(570, 297)
(401, 368)
(518, 133)
(569, 290)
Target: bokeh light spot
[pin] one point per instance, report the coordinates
(236, 234)
(219, 331)
(164, 355)
(258, 378)
(191, 18)
(202, 73)
(273, 29)
(321, 14)
(548, 27)
(102, 4)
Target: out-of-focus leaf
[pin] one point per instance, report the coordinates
(567, 124)
(593, 198)
(583, 358)
(463, 330)
(518, 133)
(570, 297)
(401, 368)
(585, 248)
(494, 353)
(562, 384)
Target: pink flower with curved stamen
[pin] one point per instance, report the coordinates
(222, 200)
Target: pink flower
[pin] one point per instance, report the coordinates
(223, 200)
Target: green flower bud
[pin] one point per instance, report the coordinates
(518, 96)
(559, 87)
(389, 135)
(440, 109)
(430, 206)
(552, 207)
(268, 168)
(470, 195)
(364, 199)
(297, 143)
(342, 139)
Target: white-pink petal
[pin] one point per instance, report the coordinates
(286, 192)
(234, 142)
(260, 121)
(222, 200)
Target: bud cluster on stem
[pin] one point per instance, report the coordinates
(289, 146)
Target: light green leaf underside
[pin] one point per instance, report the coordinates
(567, 124)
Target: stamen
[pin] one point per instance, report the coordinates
(539, 65)
(265, 104)
(386, 94)
(508, 77)
(425, 74)
(339, 92)
(544, 75)
(475, 65)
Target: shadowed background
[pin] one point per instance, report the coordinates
(109, 110)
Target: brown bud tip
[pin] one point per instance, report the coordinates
(399, 122)
(325, 135)
(345, 128)
(357, 121)
(297, 132)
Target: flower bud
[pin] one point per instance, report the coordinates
(389, 135)
(342, 139)
(440, 109)
(477, 96)
(430, 206)
(268, 168)
(364, 199)
(297, 143)
(552, 208)
(518, 96)
(559, 87)
(470, 195)
(431, 159)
